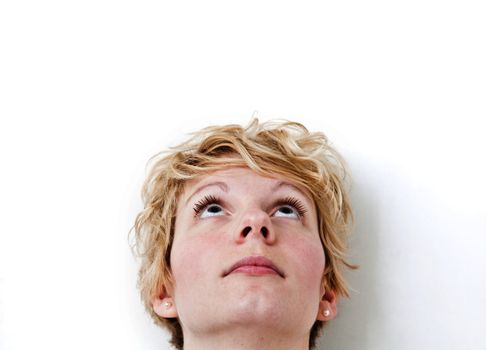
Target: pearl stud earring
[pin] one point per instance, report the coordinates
(167, 304)
(327, 312)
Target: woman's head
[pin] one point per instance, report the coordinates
(271, 190)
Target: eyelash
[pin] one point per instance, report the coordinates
(207, 200)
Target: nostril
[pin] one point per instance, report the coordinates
(246, 230)
(264, 232)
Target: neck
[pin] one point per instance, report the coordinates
(246, 339)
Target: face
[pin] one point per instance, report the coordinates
(232, 214)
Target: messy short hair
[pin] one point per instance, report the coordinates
(273, 147)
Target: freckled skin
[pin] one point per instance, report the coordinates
(209, 304)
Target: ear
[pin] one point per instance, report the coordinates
(328, 302)
(164, 304)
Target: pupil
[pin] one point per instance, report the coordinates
(211, 209)
(287, 209)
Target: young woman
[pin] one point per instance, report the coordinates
(243, 237)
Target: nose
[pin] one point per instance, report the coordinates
(255, 224)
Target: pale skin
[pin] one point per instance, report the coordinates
(242, 310)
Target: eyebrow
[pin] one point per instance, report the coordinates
(224, 187)
(220, 184)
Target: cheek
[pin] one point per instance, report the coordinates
(309, 259)
(193, 259)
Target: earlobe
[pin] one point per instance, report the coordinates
(327, 306)
(164, 306)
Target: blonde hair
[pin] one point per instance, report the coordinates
(273, 147)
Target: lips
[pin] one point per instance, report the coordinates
(258, 261)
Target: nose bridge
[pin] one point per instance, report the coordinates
(255, 223)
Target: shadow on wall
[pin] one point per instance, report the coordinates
(349, 330)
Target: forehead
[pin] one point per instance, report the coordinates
(232, 175)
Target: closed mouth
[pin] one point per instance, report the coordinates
(257, 261)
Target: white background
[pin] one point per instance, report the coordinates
(89, 90)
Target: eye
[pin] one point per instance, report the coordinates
(211, 203)
(287, 210)
(212, 206)
(291, 206)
